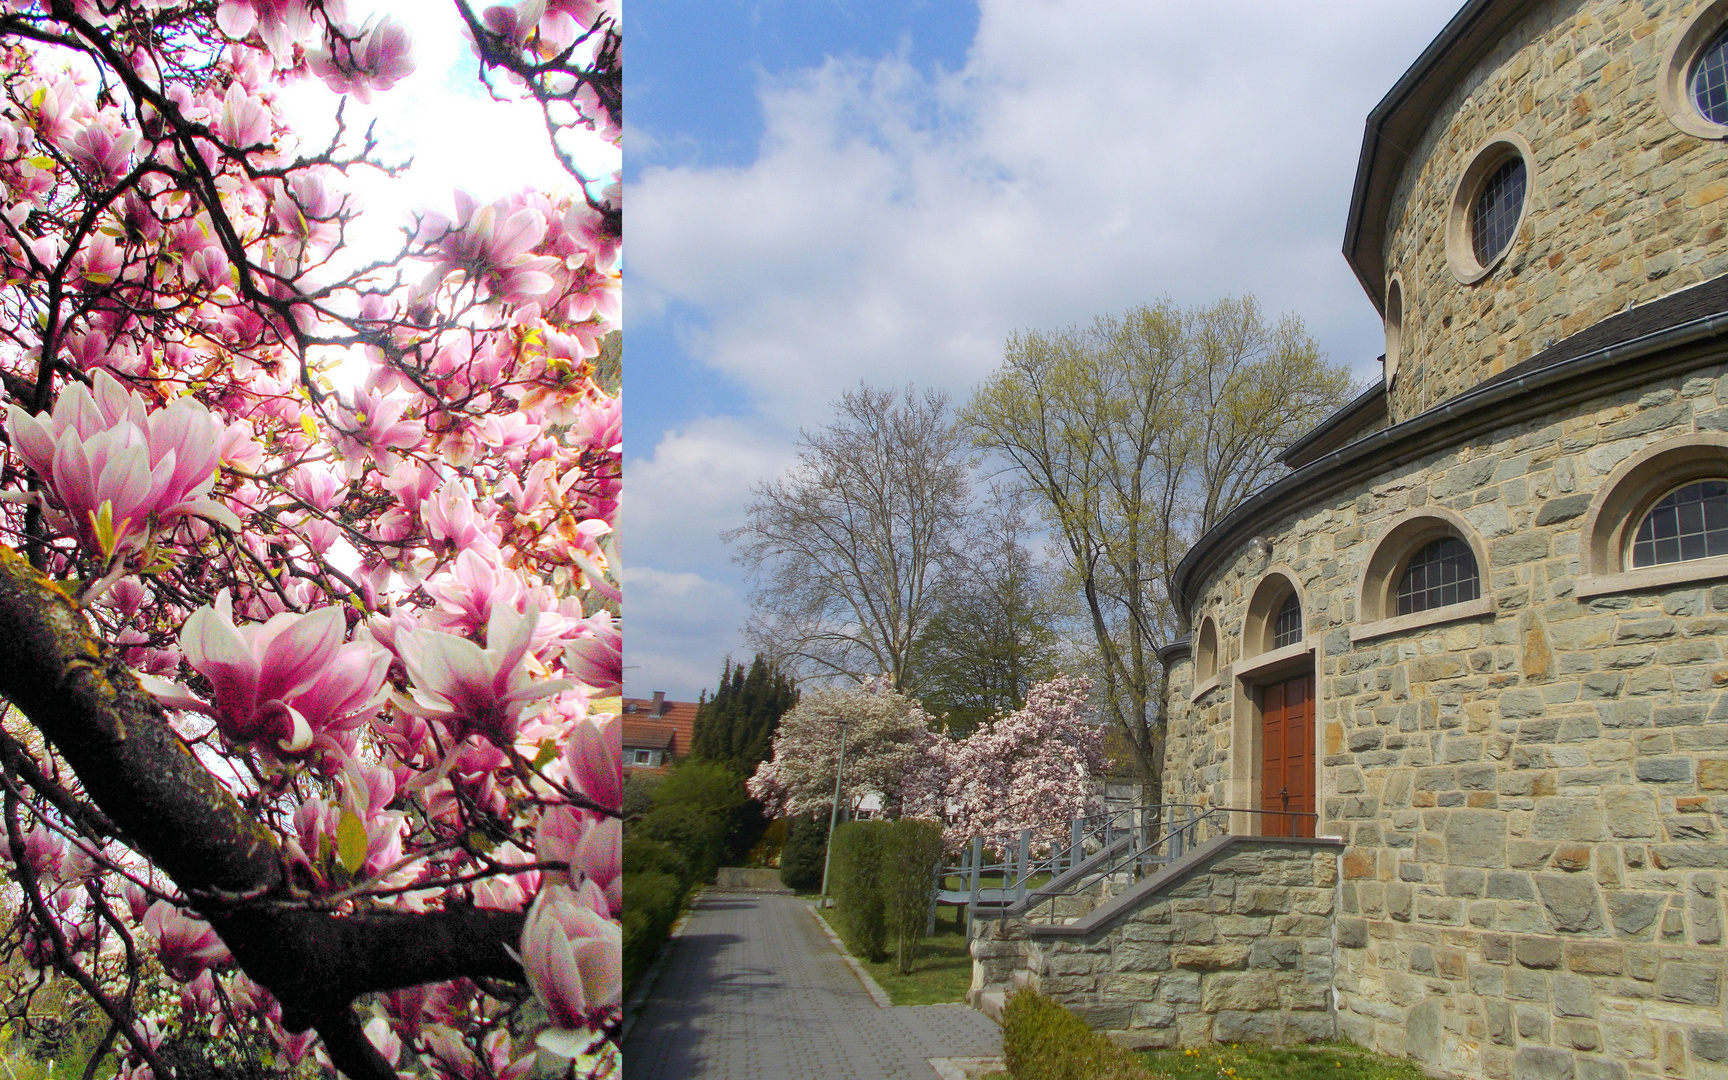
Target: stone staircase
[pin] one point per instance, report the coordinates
(1232, 941)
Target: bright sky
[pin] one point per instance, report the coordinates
(824, 191)
(442, 119)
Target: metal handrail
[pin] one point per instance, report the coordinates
(1133, 839)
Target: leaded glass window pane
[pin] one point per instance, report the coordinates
(1710, 80)
(1494, 218)
(1442, 573)
(1690, 523)
(1287, 627)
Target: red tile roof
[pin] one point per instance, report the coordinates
(670, 730)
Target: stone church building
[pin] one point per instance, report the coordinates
(1480, 630)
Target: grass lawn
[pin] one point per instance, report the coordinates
(942, 973)
(1242, 1062)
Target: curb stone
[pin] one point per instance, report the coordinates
(877, 994)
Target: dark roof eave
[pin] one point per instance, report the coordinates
(1376, 449)
(1361, 403)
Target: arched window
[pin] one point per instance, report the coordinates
(1206, 651)
(1287, 626)
(1428, 567)
(1660, 518)
(1690, 522)
(1441, 573)
(1394, 329)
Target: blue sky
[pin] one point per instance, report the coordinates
(823, 192)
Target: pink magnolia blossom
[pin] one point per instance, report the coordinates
(374, 427)
(116, 467)
(491, 245)
(594, 757)
(187, 946)
(573, 957)
(279, 682)
(359, 61)
(469, 592)
(474, 690)
(597, 658)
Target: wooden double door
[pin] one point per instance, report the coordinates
(1287, 757)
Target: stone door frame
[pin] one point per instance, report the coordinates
(1247, 745)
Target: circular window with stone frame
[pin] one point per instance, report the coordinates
(1488, 207)
(1693, 82)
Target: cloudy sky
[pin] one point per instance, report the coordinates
(820, 192)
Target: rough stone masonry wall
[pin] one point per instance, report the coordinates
(1238, 950)
(1624, 207)
(1533, 801)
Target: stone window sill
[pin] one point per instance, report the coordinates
(1451, 613)
(1652, 577)
(1294, 659)
(1205, 688)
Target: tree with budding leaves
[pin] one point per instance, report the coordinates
(307, 574)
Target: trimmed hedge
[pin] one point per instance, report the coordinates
(1044, 1041)
(855, 878)
(909, 865)
(883, 876)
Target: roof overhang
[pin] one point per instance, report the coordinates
(1664, 337)
(1396, 125)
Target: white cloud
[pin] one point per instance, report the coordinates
(695, 485)
(1087, 157)
(679, 628)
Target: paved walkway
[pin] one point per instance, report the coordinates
(753, 990)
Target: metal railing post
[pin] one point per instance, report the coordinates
(1076, 834)
(1025, 863)
(972, 899)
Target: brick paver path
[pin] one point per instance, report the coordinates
(753, 990)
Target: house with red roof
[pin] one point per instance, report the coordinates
(656, 731)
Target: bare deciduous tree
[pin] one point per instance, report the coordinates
(1137, 434)
(847, 548)
(996, 631)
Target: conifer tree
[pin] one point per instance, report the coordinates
(736, 726)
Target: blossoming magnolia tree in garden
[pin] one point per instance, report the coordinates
(1034, 768)
(307, 563)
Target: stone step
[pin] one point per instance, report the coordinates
(992, 1002)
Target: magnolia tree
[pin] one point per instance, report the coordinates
(1034, 768)
(884, 729)
(307, 576)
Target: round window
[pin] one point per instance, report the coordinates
(1488, 206)
(1692, 84)
(1494, 216)
(1710, 80)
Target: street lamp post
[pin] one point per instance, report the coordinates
(834, 812)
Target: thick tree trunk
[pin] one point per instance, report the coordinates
(149, 786)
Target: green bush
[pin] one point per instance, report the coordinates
(651, 903)
(801, 858)
(1044, 1041)
(912, 852)
(639, 788)
(695, 833)
(644, 856)
(715, 789)
(856, 880)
